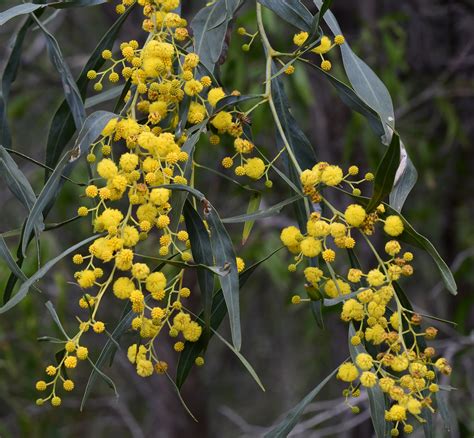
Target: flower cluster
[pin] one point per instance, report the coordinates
(399, 362)
(324, 46)
(136, 154)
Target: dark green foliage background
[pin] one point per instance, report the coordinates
(422, 53)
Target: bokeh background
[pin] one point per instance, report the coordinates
(423, 51)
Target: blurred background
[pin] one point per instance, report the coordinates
(423, 51)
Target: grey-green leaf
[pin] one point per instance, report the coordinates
(376, 396)
(219, 311)
(282, 429)
(291, 11)
(6, 255)
(71, 92)
(91, 129)
(210, 27)
(261, 214)
(224, 255)
(15, 11)
(62, 125)
(8, 77)
(24, 288)
(385, 175)
(374, 93)
(202, 253)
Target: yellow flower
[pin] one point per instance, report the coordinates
(82, 353)
(222, 121)
(364, 361)
(197, 113)
(313, 275)
(393, 225)
(375, 277)
(310, 247)
(124, 259)
(368, 379)
(214, 95)
(347, 372)
(309, 177)
(86, 279)
(354, 275)
(355, 215)
(332, 290)
(144, 368)
(155, 282)
(352, 309)
(300, 38)
(254, 168)
(337, 229)
(240, 264)
(317, 228)
(70, 362)
(192, 331)
(332, 175)
(106, 168)
(396, 413)
(140, 271)
(323, 47)
(291, 236)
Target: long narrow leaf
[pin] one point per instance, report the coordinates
(377, 402)
(202, 253)
(261, 214)
(282, 429)
(71, 92)
(39, 274)
(8, 77)
(62, 126)
(385, 175)
(219, 311)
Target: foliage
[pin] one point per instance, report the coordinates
(142, 167)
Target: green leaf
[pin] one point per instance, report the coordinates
(178, 199)
(209, 27)
(28, 8)
(15, 11)
(374, 93)
(49, 305)
(71, 92)
(261, 214)
(202, 253)
(218, 312)
(24, 288)
(91, 129)
(15, 180)
(62, 126)
(291, 11)
(105, 96)
(442, 404)
(377, 401)
(317, 311)
(109, 348)
(412, 237)
(8, 77)
(74, 3)
(244, 361)
(254, 203)
(317, 20)
(385, 175)
(235, 100)
(6, 255)
(224, 255)
(282, 429)
(353, 101)
(219, 270)
(297, 140)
